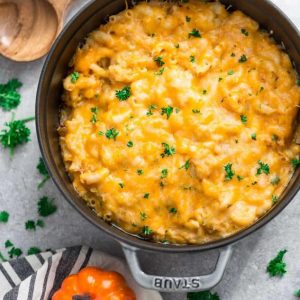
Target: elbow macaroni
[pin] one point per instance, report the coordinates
(153, 163)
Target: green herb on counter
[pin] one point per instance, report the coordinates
(111, 134)
(264, 168)
(4, 216)
(33, 250)
(167, 111)
(46, 207)
(74, 76)
(277, 267)
(168, 150)
(297, 293)
(9, 97)
(229, 173)
(124, 93)
(13, 251)
(43, 171)
(30, 225)
(206, 295)
(8, 244)
(16, 134)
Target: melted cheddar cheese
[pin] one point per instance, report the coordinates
(178, 121)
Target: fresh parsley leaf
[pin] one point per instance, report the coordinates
(143, 216)
(146, 195)
(124, 93)
(33, 250)
(168, 150)
(43, 171)
(229, 173)
(277, 267)
(244, 32)
(230, 72)
(159, 61)
(146, 231)
(111, 134)
(8, 244)
(94, 111)
(16, 134)
(253, 136)
(140, 172)
(30, 225)
(9, 97)
(173, 210)
(264, 168)
(121, 184)
(243, 119)
(297, 293)
(298, 82)
(186, 165)
(195, 33)
(192, 58)
(243, 58)
(295, 163)
(4, 216)
(15, 252)
(206, 295)
(46, 207)
(274, 199)
(150, 109)
(40, 223)
(275, 180)
(130, 144)
(167, 111)
(74, 76)
(188, 19)
(160, 72)
(240, 178)
(164, 173)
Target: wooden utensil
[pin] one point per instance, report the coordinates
(28, 28)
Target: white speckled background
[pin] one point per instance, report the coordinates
(245, 277)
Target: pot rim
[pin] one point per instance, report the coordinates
(117, 233)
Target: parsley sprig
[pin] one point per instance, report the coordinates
(168, 150)
(9, 97)
(277, 267)
(4, 216)
(124, 93)
(41, 167)
(167, 111)
(263, 168)
(15, 134)
(46, 207)
(205, 295)
(195, 33)
(229, 173)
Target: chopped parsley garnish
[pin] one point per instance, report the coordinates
(13, 251)
(8, 244)
(164, 173)
(30, 225)
(243, 58)
(140, 172)
(243, 119)
(240, 178)
(130, 144)
(244, 32)
(277, 267)
(192, 58)
(230, 72)
(195, 33)
(146, 195)
(4, 216)
(253, 136)
(121, 184)
(94, 111)
(206, 295)
(16, 134)
(160, 72)
(46, 207)
(186, 165)
(275, 180)
(43, 171)
(146, 230)
(196, 111)
(264, 168)
(167, 111)
(229, 172)
(159, 61)
(111, 134)
(33, 250)
(9, 97)
(274, 199)
(275, 137)
(150, 109)
(297, 293)
(74, 76)
(173, 210)
(298, 82)
(143, 216)
(295, 163)
(124, 93)
(168, 150)
(188, 19)
(40, 223)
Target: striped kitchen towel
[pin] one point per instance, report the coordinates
(38, 277)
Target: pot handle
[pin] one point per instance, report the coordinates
(176, 284)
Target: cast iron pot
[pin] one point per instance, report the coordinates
(47, 115)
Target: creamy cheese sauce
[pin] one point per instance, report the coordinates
(178, 121)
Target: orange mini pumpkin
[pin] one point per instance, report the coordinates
(94, 284)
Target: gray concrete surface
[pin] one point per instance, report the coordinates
(245, 277)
